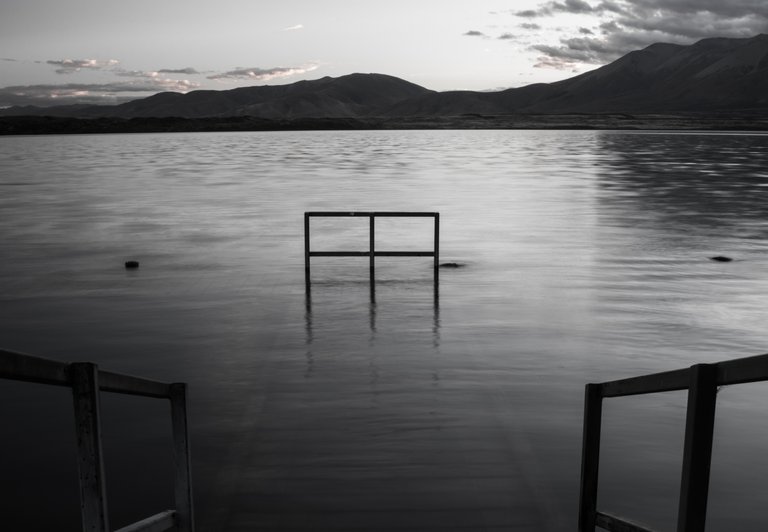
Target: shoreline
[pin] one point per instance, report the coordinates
(53, 125)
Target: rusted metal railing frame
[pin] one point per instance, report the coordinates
(86, 381)
(701, 381)
(372, 253)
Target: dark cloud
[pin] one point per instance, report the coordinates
(550, 8)
(261, 74)
(188, 71)
(729, 9)
(547, 61)
(610, 27)
(571, 6)
(628, 25)
(474, 33)
(70, 66)
(88, 93)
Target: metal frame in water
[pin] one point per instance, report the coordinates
(371, 252)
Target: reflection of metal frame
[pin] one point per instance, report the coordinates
(372, 312)
(372, 253)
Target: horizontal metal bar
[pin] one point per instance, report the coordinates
(742, 370)
(615, 524)
(738, 371)
(667, 381)
(368, 253)
(405, 253)
(130, 385)
(339, 253)
(157, 523)
(22, 367)
(390, 214)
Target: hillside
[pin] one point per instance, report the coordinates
(711, 76)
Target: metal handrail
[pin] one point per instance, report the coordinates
(701, 381)
(371, 252)
(86, 381)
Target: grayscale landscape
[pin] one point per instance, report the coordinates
(356, 267)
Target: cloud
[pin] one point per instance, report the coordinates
(260, 74)
(152, 74)
(530, 26)
(507, 37)
(628, 25)
(89, 93)
(188, 71)
(550, 8)
(474, 33)
(294, 28)
(549, 62)
(9, 59)
(69, 66)
(136, 74)
(571, 6)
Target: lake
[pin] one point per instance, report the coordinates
(585, 257)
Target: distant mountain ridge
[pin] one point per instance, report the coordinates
(716, 74)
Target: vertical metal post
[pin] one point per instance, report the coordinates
(306, 249)
(372, 246)
(181, 459)
(590, 457)
(697, 449)
(84, 378)
(437, 245)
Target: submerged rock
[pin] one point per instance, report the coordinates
(721, 258)
(131, 264)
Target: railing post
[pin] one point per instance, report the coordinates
(372, 246)
(590, 457)
(697, 449)
(90, 460)
(181, 459)
(437, 245)
(306, 249)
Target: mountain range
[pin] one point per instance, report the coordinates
(713, 75)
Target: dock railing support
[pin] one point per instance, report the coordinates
(90, 457)
(181, 458)
(87, 381)
(701, 381)
(697, 449)
(590, 458)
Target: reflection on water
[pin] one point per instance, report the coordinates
(402, 401)
(680, 181)
(333, 286)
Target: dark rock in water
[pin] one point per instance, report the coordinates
(452, 265)
(721, 258)
(131, 264)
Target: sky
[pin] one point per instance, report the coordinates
(56, 52)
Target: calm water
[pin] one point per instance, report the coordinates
(586, 259)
